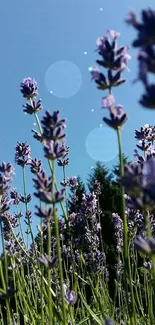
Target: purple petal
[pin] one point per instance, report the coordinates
(108, 101)
(114, 35)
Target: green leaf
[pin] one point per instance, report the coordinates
(92, 314)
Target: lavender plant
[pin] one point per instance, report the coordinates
(61, 276)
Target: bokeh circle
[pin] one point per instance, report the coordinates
(101, 144)
(63, 79)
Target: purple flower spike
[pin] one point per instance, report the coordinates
(148, 99)
(33, 107)
(99, 78)
(6, 168)
(36, 167)
(119, 109)
(71, 297)
(22, 155)
(115, 80)
(108, 101)
(113, 34)
(131, 18)
(53, 150)
(44, 213)
(29, 88)
(95, 72)
(144, 245)
(53, 127)
(100, 42)
(116, 121)
(145, 28)
(108, 321)
(50, 263)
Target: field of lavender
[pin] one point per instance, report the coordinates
(62, 276)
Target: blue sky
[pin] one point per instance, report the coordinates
(54, 41)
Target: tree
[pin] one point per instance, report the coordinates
(72, 205)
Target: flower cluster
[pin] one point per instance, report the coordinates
(114, 59)
(22, 155)
(146, 137)
(64, 161)
(43, 185)
(118, 231)
(139, 181)
(117, 115)
(6, 171)
(29, 90)
(146, 54)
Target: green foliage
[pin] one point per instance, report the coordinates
(72, 206)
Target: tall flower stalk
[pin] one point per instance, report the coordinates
(115, 59)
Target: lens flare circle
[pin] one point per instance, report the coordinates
(101, 144)
(63, 79)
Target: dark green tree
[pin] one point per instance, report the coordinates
(109, 202)
(72, 205)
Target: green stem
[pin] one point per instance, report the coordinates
(49, 270)
(60, 265)
(26, 207)
(30, 259)
(125, 235)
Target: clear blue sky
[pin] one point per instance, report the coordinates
(43, 39)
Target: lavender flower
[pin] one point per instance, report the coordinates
(33, 107)
(36, 166)
(147, 265)
(108, 101)
(145, 28)
(25, 199)
(53, 127)
(5, 180)
(148, 99)
(44, 213)
(63, 161)
(102, 82)
(53, 150)
(145, 132)
(115, 80)
(117, 115)
(143, 146)
(43, 182)
(131, 19)
(71, 297)
(108, 321)
(112, 57)
(29, 88)
(38, 136)
(72, 182)
(132, 178)
(118, 227)
(28, 217)
(44, 186)
(97, 188)
(89, 202)
(116, 120)
(14, 195)
(6, 168)
(146, 60)
(145, 245)
(99, 78)
(48, 262)
(22, 155)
